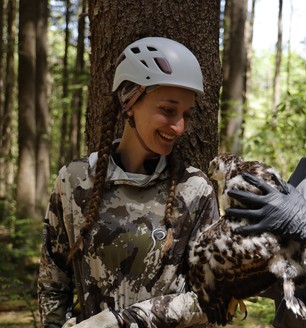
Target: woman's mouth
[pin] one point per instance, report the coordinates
(166, 136)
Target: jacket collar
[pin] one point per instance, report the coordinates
(116, 175)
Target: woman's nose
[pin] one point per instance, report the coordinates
(179, 126)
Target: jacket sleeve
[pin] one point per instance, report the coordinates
(175, 310)
(181, 309)
(55, 287)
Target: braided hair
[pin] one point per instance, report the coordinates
(108, 129)
(176, 169)
(107, 136)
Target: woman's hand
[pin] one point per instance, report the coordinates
(104, 319)
(280, 212)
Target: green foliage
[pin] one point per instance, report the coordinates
(262, 308)
(20, 246)
(260, 314)
(278, 139)
(61, 106)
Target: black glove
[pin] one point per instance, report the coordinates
(279, 212)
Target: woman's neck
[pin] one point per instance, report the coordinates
(132, 154)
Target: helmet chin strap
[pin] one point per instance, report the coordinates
(131, 120)
(133, 126)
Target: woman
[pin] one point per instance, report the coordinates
(125, 216)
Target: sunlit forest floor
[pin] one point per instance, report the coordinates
(19, 261)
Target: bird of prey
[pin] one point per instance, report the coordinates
(225, 267)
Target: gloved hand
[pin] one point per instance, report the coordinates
(282, 213)
(104, 319)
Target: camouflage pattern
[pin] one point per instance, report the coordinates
(123, 263)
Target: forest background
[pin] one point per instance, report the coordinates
(43, 115)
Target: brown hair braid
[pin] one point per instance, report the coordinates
(176, 171)
(169, 215)
(107, 136)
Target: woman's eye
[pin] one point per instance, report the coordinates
(167, 111)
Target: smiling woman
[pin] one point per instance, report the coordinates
(125, 216)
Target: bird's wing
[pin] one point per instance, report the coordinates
(225, 265)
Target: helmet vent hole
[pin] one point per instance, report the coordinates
(135, 50)
(144, 63)
(163, 65)
(151, 49)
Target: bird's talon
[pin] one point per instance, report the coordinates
(232, 308)
(243, 309)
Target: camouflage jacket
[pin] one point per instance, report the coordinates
(123, 264)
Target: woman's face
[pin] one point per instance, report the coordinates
(162, 116)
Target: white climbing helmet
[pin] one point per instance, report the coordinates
(159, 61)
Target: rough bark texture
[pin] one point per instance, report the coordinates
(26, 104)
(33, 111)
(63, 158)
(6, 162)
(77, 97)
(233, 77)
(42, 109)
(115, 24)
(278, 59)
(1, 62)
(249, 29)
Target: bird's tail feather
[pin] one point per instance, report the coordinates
(292, 302)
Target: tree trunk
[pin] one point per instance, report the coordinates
(278, 60)
(2, 160)
(42, 110)
(77, 98)
(1, 64)
(249, 26)
(115, 24)
(2, 170)
(232, 97)
(288, 71)
(26, 101)
(7, 169)
(64, 129)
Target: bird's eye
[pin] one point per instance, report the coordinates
(213, 165)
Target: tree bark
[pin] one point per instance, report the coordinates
(1, 64)
(7, 169)
(2, 160)
(64, 125)
(249, 26)
(42, 110)
(115, 24)
(26, 112)
(232, 97)
(77, 97)
(249, 49)
(2, 170)
(278, 60)
(288, 67)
